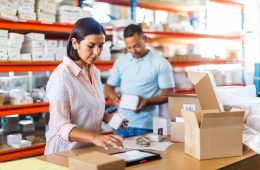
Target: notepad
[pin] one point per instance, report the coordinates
(31, 164)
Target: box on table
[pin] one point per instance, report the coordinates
(175, 104)
(177, 131)
(96, 161)
(211, 132)
(161, 123)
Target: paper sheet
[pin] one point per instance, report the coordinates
(30, 164)
(130, 143)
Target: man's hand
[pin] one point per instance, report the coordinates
(116, 99)
(142, 103)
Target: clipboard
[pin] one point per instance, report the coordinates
(133, 157)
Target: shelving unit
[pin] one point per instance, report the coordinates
(64, 29)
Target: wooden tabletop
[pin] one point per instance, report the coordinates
(173, 158)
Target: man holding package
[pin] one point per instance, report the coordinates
(144, 79)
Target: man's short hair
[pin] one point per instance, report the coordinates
(133, 29)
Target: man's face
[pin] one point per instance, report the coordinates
(136, 46)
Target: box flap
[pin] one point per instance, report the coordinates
(190, 118)
(222, 119)
(199, 114)
(205, 87)
(238, 109)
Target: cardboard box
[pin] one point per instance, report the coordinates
(96, 161)
(213, 134)
(176, 103)
(206, 90)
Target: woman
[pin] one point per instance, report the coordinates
(75, 93)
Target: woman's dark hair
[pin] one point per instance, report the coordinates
(133, 29)
(82, 28)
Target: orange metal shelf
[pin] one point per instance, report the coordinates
(35, 26)
(21, 66)
(29, 108)
(229, 2)
(142, 5)
(190, 35)
(16, 153)
(24, 109)
(195, 63)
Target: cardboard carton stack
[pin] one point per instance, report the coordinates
(3, 45)
(15, 42)
(8, 9)
(70, 14)
(26, 10)
(211, 132)
(46, 11)
(34, 45)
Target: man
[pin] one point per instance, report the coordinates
(140, 73)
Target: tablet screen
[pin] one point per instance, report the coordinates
(137, 156)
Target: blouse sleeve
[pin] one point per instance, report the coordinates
(60, 110)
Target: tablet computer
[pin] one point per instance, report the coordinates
(133, 157)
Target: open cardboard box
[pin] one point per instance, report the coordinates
(175, 104)
(211, 132)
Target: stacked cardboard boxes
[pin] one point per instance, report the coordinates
(70, 14)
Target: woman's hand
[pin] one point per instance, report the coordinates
(107, 141)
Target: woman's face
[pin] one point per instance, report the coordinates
(90, 48)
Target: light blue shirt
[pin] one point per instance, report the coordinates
(143, 77)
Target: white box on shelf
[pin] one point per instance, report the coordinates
(159, 122)
(8, 16)
(51, 43)
(129, 102)
(34, 36)
(23, 143)
(14, 43)
(38, 57)
(16, 36)
(33, 44)
(3, 33)
(3, 43)
(26, 8)
(26, 57)
(14, 138)
(9, 6)
(13, 54)
(33, 50)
